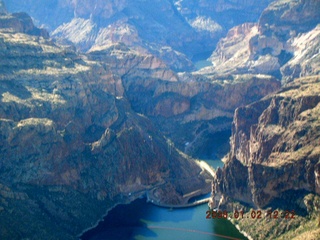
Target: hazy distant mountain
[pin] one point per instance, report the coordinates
(284, 43)
(82, 131)
(173, 30)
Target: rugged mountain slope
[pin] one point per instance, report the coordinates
(226, 14)
(276, 137)
(172, 30)
(71, 146)
(275, 146)
(76, 135)
(284, 43)
(190, 109)
(274, 155)
(275, 141)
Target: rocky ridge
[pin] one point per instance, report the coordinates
(174, 31)
(276, 45)
(182, 105)
(20, 22)
(71, 146)
(275, 146)
(275, 142)
(188, 108)
(85, 107)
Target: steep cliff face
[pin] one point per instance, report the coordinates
(80, 133)
(233, 53)
(171, 30)
(189, 112)
(20, 22)
(275, 144)
(154, 27)
(284, 30)
(225, 13)
(71, 146)
(189, 108)
(306, 58)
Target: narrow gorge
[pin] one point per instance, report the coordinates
(101, 103)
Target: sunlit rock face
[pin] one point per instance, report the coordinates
(153, 27)
(20, 22)
(225, 13)
(81, 132)
(71, 145)
(174, 31)
(274, 140)
(306, 58)
(275, 146)
(276, 45)
(188, 108)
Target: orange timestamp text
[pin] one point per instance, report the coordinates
(253, 214)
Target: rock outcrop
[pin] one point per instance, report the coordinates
(71, 146)
(276, 45)
(188, 108)
(275, 147)
(174, 31)
(21, 22)
(82, 132)
(226, 14)
(306, 58)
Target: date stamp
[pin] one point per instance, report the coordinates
(253, 214)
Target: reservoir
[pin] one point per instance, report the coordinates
(141, 220)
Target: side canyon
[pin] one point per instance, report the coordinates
(100, 102)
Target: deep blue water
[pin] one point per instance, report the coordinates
(141, 221)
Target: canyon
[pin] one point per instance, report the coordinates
(71, 147)
(106, 105)
(274, 141)
(171, 30)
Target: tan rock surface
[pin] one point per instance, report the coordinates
(71, 146)
(275, 46)
(275, 143)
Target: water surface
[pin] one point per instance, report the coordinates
(142, 221)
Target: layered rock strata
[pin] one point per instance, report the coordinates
(71, 146)
(275, 152)
(188, 108)
(174, 31)
(284, 43)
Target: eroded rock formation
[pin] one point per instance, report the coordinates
(275, 148)
(188, 108)
(174, 31)
(276, 45)
(71, 146)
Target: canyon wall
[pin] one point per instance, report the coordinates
(273, 162)
(81, 132)
(71, 146)
(274, 145)
(284, 43)
(174, 31)
(190, 109)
